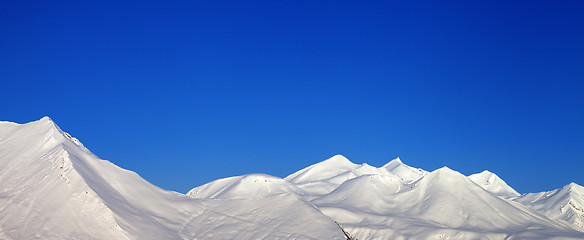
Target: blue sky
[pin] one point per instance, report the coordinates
(186, 92)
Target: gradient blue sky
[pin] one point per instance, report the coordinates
(186, 92)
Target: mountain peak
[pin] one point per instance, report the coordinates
(443, 173)
(46, 119)
(335, 162)
(493, 183)
(573, 185)
(484, 176)
(403, 171)
(340, 159)
(250, 186)
(444, 170)
(575, 189)
(326, 169)
(393, 163)
(566, 203)
(44, 122)
(54, 189)
(48, 124)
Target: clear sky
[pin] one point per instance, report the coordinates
(186, 92)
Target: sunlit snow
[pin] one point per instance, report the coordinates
(52, 187)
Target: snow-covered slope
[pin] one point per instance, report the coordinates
(252, 186)
(397, 201)
(492, 183)
(279, 217)
(406, 173)
(442, 204)
(42, 195)
(566, 204)
(323, 177)
(367, 192)
(51, 187)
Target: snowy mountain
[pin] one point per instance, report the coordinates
(566, 204)
(51, 187)
(385, 202)
(406, 173)
(442, 204)
(42, 194)
(492, 183)
(325, 176)
(252, 186)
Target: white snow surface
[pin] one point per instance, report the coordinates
(492, 183)
(326, 176)
(52, 187)
(406, 173)
(443, 204)
(252, 186)
(397, 201)
(566, 204)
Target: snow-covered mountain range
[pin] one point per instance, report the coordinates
(52, 187)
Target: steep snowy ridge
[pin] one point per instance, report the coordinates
(51, 187)
(442, 204)
(385, 202)
(445, 192)
(39, 184)
(492, 183)
(325, 176)
(566, 204)
(405, 172)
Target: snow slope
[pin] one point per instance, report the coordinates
(566, 204)
(252, 186)
(51, 187)
(442, 204)
(406, 173)
(492, 183)
(397, 201)
(41, 193)
(325, 176)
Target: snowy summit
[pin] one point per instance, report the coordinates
(52, 187)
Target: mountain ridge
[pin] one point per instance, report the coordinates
(565, 204)
(52, 187)
(494, 184)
